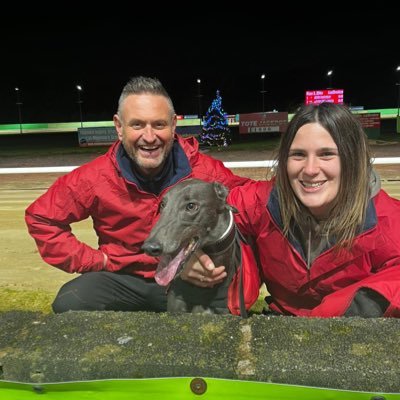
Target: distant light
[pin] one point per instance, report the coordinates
(398, 68)
(17, 89)
(79, 87)
(330, 72)
(263, 76)
(198, 80)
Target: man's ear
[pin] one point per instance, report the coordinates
(174, 123)
(118, 126)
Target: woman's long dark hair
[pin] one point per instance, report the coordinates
(351, 203)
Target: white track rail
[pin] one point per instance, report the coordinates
(229, 164)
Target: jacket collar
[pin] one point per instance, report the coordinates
(176, 167)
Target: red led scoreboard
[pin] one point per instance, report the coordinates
(321, 96)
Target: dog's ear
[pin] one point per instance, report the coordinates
(221, 191)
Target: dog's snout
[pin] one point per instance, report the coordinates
(152, 248)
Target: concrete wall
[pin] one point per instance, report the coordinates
(352, 353)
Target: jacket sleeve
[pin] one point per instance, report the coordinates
(49, 220)
(215, 170)
(381, 288)
(246, 282)
(250, 201)
(384, 283)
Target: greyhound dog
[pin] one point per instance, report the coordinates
(194, 215)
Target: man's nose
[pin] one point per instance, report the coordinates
(149, 134)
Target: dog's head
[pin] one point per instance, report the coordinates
(192, 215)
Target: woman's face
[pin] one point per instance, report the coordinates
(313, 169)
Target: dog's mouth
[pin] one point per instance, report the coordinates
(170, 266)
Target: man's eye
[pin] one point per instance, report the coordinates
(136, 125)
(191, 207)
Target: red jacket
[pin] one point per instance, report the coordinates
(328, 287)
(123, 213)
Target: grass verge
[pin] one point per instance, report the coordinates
(25, 300)
(40, 300)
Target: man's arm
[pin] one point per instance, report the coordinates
(377, 295)
(49, 220)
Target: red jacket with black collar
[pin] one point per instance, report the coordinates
(327, 288)
(122, 209)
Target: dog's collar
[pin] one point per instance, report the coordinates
(225, 241)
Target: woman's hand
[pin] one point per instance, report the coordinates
(201, 271)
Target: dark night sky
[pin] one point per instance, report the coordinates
(46, 57)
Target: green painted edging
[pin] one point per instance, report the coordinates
(178, 388)
(17, 127)
(386, 113)
(60, 126)
(189, 122)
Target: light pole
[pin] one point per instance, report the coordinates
(199, 95)
(19, 105)
(263, 91)
(80, 101)
(329, 75)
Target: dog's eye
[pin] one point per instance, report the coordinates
(192, 207)
(162, 205)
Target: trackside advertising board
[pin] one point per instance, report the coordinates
(371, 123)
(97, 136)
(263, 122)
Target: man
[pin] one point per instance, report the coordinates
(121, 192)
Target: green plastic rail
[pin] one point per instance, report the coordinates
(178, 389)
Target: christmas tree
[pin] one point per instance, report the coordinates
(215, 126)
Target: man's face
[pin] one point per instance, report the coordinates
(146, 128)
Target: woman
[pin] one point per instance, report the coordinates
(328, 237)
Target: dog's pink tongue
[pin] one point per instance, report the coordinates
(166, 269)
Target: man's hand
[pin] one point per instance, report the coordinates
(201, 271)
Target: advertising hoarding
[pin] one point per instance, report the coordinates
(263, 122)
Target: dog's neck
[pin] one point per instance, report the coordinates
(226, 239)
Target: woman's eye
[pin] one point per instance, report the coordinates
(296, 154)
(328, 154)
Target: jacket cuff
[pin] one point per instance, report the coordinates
(392, 311)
